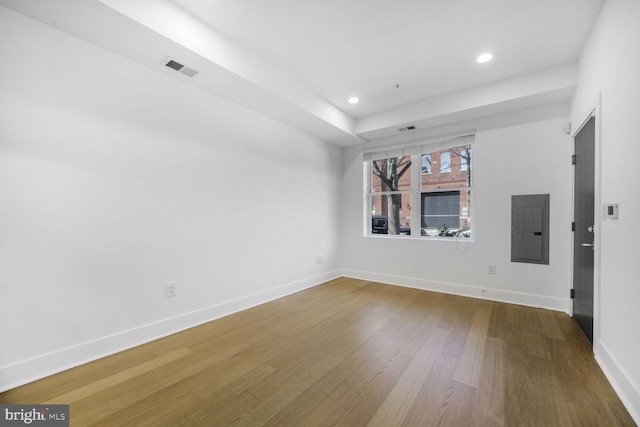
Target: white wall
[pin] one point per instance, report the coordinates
(610, 65)
(529, 158)
(115, 179)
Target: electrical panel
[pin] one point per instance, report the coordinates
(530, 228)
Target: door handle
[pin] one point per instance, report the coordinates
(586, 245)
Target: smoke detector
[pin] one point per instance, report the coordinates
(181, 68)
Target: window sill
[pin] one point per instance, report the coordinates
(421, 238)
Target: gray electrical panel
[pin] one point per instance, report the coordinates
(530, 228)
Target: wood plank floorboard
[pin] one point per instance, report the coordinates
(349, 353)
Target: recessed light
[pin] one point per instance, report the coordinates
(485, 57)
(353, 100)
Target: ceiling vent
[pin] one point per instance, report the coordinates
(175, 65)
(406, 128)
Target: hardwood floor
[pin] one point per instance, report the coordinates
(350, 353)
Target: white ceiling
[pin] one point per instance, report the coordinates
(300, 60)
(340, 48)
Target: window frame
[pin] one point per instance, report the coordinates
(416, 190)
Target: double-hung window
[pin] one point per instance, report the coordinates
(433, 200)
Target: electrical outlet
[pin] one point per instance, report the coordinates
(491, 269)
(319, 259)
(170, 289)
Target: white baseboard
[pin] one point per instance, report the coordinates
(26, 371)
(530, 300)
(628, 392)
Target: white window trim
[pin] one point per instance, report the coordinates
(414, 150)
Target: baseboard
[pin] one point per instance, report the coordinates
(628, 392)
(26, 371)
(530, 300)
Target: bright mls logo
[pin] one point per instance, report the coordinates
(36, 415)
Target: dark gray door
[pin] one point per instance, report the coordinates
(583, 237)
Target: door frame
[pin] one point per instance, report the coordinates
(595, 111)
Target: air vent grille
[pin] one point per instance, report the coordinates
(175, 65)
(404, 129)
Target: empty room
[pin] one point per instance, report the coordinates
(317, 213)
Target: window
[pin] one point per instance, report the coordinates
(445, 162)
(391, 195)
(426, 163)
(445, 197)
(441, 192)
(465, 159)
